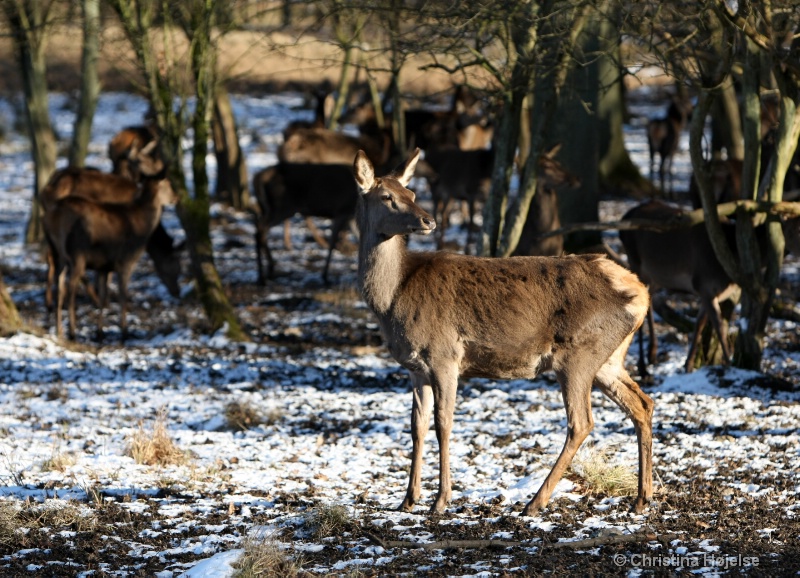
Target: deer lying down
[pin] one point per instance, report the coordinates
(312, 190)
(446, 315)
(104, 237)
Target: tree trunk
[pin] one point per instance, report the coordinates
(10, 320)
(90, 84)
(192, 211)
(30, 45)
(617, 172)
(232, 186)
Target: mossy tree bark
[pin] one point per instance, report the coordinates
(90, 83)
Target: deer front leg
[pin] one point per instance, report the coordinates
(420, 422)
(445, 386)
(576, 392)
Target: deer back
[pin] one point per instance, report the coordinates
(88, 184)
(679, 259)
(312, 190)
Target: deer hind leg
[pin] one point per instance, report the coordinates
(77, 269)
(576, 391)
(445, 386)
(337, 226)
(420, 423)
(617, 385)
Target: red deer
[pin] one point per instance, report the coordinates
(445, 315)
(679, 260)
(463, 125)
(129, 140)
(543, 213)
(663, 135)
(322, 112)
(104, 237)
(312, 190)
(100, 187)
(454, 174)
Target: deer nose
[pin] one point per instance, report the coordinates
(429, 222)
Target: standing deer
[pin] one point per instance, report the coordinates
(446, 316)
(663, 135)
(454, 174)
(543, 214)
(127, 143)
(104, 237)
(312, 190)
(679, 260)
(99, 187)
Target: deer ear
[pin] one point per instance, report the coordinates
(404, 175)
(363, 172)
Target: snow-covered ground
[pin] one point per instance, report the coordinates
(335, 415)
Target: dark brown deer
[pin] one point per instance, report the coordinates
(663, 136)
(543, 214)
(322, 112)
(311, 190)
(445, 316)
(454, 174)
(464, 125)
(103, 237)
(679, 260)
(99, 187)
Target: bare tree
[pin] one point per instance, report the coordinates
(167, 74)
(30, 22)
(90, 84)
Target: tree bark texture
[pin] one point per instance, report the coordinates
(90, 83)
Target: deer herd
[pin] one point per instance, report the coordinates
(444, 315)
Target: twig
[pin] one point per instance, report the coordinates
(612, 539)
(577, 544)
(444, 544)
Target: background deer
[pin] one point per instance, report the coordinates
(446, 315)
(679, 260)
(663, 136)
(99, 187)
(453, 174)
(126, 144)
(312, 190)
(543, 214)
(103, 237)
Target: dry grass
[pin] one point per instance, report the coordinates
(242, 416)
(59, 462)
(264, 557)
(327, 520)
(594, 467)
(17, 517)
(155, 447)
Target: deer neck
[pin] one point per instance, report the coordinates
(381, 263)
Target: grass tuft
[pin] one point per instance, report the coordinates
(264, 556)
(155, 447)
(327, 520)
(593, 466)
(241, 416)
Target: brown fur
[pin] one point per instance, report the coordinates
(124, 144)
(98, 187)
(312, 190)
(446, 316)
(104, 237)
(543, 214)
(679, 260)
(663, 135)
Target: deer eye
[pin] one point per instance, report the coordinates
(386, 197)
